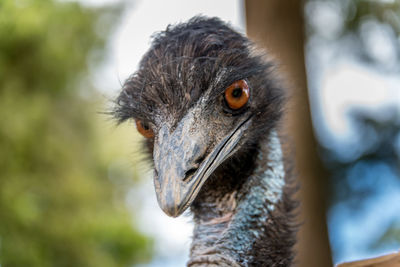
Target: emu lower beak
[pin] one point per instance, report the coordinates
(178, 176)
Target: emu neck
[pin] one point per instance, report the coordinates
(239, 217)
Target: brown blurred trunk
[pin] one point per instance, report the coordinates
(278, 26)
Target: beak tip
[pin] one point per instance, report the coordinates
(169, 206)
(171, 210)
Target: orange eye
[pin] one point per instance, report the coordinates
(144, 129)
(237, 94)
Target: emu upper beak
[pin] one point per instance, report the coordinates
(181, 167)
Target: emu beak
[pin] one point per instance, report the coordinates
(181, 166)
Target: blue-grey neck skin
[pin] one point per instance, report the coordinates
(246, 217)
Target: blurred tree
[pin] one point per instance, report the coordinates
(57, 205)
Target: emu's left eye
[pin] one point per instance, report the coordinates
(237, 94)
(144, 129)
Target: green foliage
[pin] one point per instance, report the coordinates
(57, 205)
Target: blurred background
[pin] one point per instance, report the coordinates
(75, 190)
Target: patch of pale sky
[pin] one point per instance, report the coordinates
(350, 86)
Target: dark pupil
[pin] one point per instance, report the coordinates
(145, 126)
(237, 92)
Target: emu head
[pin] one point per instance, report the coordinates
(200, 97)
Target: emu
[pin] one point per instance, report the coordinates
(210, 108)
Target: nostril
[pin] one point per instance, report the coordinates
(190, 172)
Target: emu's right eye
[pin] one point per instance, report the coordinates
(144, 129)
